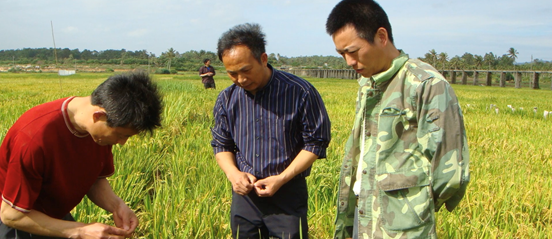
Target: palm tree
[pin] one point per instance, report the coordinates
(490, 59)
(455, 62)
(170, 54)
(513, 54)
(478, 61)
(443, 58)
(433, 55)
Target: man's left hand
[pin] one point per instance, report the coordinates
(267, 187)
(125, 218)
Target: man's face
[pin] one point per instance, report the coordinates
(208, 63)
(105, 135)
(244, 70)
(367, 59)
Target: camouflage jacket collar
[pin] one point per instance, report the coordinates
(381, 78)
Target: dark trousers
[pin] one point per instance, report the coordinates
(283, 215)
(10, 233)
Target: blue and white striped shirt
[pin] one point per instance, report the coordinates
(267, 130)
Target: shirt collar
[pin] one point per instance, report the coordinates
(382, 77)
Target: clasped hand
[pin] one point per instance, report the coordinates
(243, 183)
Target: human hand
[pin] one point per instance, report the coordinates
(125, 218)
(98, 230)
(267, 187)
(242, 183)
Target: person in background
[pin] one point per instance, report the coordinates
(407, 155)
(60, 151)
(207, 72)
(270, 126)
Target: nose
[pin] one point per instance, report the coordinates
(351, 61)
(241, 79)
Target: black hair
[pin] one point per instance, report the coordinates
(366, 16)
(248, 34)
(205, 60)
(130, 100)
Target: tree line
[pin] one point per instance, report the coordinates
(173, 61)
(489, 61)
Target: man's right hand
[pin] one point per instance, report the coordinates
(242, 183)
(98, 230)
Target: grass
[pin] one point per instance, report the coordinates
(172, 180)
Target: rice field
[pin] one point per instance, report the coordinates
(173, 182)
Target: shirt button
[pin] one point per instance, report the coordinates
(257, 120)
(361, 212)
(256, 155)
(257, 138)
(364, 171)
(342, 203)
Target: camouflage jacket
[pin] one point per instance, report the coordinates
(410, 131)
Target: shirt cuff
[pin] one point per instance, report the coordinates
(217, 150)
(14, 206)
(318, 150)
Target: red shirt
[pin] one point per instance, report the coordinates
(44, 166)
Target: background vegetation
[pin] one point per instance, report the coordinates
(192, 60)
(178, 191)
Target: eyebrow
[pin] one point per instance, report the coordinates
(347, 49)
(241, 69)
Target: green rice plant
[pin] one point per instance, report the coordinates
(172, 181)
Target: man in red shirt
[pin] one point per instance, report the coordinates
(60, 151)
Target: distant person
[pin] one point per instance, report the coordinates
(407, 154)
(207, 72)
(270, 126)
(58, 152)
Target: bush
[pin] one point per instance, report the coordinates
(109, 70)
(162, 71)
(14, 70)
(173, 71)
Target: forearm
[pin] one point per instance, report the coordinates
(302, 162)
(38, 223)
(227, 162)
(102, 195)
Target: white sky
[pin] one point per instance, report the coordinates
(293, 28)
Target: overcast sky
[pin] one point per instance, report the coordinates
(293, 28)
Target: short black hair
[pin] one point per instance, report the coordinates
(366, 16)
(130, 100)
(206, 60)
(248, 34)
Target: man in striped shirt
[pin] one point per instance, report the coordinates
(270, 126)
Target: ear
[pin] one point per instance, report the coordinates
(264, 59)
(99, 115)
(381, 37)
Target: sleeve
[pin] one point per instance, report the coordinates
(316, 124)
(222, 138)
(442, 135)
(108, 168)
(200, 70)
(24, 174)
(214, 73)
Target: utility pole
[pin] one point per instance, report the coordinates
(54, 39)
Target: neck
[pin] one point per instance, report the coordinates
(78, 111)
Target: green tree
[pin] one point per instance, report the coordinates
(478, 60)
(433, 54)
(169, 54)
(490, 59)
(512, 53)
(443, 58)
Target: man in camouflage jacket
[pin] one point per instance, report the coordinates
(407, 154)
